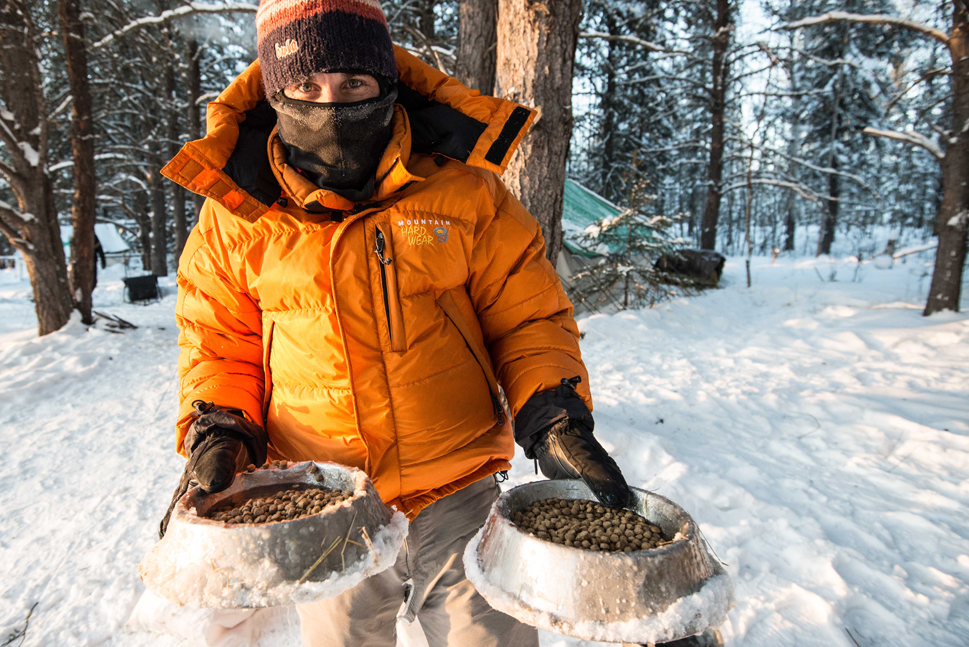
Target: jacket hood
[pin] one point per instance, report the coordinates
(231, 164)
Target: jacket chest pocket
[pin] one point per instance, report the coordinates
(383, 249)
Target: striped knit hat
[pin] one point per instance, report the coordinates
(298, 38)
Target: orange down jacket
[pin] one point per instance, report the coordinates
(383, 334)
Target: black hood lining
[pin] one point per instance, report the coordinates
(436, 128)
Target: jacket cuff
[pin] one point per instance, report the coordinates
(547, 408)
(212, 420)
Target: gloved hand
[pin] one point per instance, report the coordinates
(555, 427)
(220, 443)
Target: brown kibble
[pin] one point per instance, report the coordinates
(287, 505)
(585, 525)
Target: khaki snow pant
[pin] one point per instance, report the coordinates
(427, 583)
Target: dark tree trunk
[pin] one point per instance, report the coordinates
(718, 100)
(829, 218)
(171, 148)
(793, 148)
(83, 207)
(142, 216)
(477, 44)
(159, 223)
(608, 108)
(32, 226)
(953, 225)
(194, 93)
(179, 220)
(790, 222)
(425, 19)
(44, 257)
(536, 54)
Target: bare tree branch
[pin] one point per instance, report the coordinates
(15, 181)
(873, 19)
(185, 10)
(10, 140)
(11, 213)
(8, 230)
(910, 137)
(826, 170)
(800, 189)
(634, 40)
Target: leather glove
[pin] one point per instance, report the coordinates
(220, 443)
(555, 428)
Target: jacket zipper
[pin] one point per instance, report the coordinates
(388, 281)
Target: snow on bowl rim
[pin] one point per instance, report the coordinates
(664, 593)
(206, 563)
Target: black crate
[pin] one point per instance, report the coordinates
(142, 288)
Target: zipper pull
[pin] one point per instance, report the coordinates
(378, 249)
(498, 409)
(573, 382)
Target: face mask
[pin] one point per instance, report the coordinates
(337, 145)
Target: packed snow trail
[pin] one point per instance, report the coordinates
(817, 430)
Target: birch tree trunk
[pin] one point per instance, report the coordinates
(536, 54)
(718, 101)
(953, 225)
(31, 225)
(83, 207)
(477, 44)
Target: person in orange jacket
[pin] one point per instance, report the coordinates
(362, 288)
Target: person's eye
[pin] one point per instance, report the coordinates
(306, 87)
(355, 84)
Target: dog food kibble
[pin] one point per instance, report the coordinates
(281, 506)
(589, 525)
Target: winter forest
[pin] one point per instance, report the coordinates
(820, 146)
(751, 121)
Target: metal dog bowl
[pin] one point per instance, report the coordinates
(645, 596)
(206, 563)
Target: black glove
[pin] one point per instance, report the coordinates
(220, 443)
(555, 427)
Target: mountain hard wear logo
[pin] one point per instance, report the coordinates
(287, 48)
(418, 230)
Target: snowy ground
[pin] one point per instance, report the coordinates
(818, 430)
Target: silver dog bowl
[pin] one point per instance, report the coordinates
(206, 563)
(645, 596)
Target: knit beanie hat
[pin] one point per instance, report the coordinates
(297, 38)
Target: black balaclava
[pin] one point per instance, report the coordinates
(337, 145)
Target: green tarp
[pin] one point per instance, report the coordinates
(583, 208)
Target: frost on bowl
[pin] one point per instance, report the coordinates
(646, 596)
(206, 563)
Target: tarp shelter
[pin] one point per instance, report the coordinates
(582, 207)
(115, 249)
